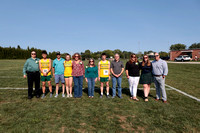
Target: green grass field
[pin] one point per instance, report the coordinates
(18, 114)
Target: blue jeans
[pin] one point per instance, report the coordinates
(119, 81)
(91, 84)
(78, 85)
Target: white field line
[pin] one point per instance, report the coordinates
(83, 88)
(183, 93)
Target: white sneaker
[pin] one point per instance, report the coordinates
(56, 96)
(70, 95)
(67, 95)
(63, 95)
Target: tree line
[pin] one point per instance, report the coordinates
(19, 53)
(180, 46)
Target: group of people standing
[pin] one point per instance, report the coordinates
(68, 71)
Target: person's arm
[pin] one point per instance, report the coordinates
(49, 66)
(165, 69)
(122, 66)
(83, 68)
(41, 68)
(53, 69)
(109, 69)
(25, 68)
(96, 73)
(127, 75)
(99, 71)
(86, 74)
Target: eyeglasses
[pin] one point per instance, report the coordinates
(33, 53)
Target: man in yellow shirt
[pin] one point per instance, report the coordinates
(45, 69)
(104, 74)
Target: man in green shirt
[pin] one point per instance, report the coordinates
(31, 71)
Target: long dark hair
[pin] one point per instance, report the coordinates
(148, 61)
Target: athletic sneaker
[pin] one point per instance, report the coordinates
(63, 95)
(56, 96)
(43, 96)
(50, 95)
(113, 96)
(107, 96)
(67, 95)
(101, 96)
(70, 95)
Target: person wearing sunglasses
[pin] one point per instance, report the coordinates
(91, 75)
(45, 69)
(58, 73)
(68, 75)
(78, 71)
(160, 71)
(31, 71)
(117, 68)
(146, 77)
(133, 75)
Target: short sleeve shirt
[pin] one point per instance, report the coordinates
(59, 66)
(117, 67)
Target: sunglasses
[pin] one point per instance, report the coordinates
(145, 57)
(92, 61)
(77, 56)
(156, 55)
(33, 54)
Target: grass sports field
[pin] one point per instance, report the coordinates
(18, 114)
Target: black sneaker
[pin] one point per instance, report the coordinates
(108, 96)
(29, 97)
(37, 96)
(101, 96)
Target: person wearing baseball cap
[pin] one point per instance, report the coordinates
(58, 73)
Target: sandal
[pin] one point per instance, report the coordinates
(135, 99)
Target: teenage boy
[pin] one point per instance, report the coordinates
(45, 69)
(104, 74)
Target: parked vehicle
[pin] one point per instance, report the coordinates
(183, 58)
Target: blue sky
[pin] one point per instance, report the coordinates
(77, 25)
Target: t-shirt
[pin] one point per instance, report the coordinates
(133, 69)
(58, 65)
(117, 67)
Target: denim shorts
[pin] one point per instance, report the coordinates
(59, 78)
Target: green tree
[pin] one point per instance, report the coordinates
(163, 54)
(178, 46)
(195, 46)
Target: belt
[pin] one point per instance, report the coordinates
(157, 75)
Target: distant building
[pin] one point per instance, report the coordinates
(191, 52)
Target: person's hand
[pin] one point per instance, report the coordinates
(54, 75)
(95, 80)
(45, 74)
(127, 76)
(163, 76)
(109, 78)
(99, 78)
(24, 76)
(86, 80)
